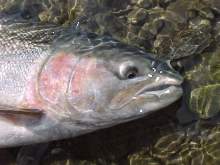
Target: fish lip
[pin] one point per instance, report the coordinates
(159, 86)
(147, 89)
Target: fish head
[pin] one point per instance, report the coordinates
(114, 85)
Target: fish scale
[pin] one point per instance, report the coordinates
(20, 57)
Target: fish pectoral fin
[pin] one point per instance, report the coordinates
(20, 116)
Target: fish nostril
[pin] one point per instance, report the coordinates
(164, 66)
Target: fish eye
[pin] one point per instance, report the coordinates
(132, 72)
(128, 71)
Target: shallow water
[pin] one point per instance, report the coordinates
(183, 31)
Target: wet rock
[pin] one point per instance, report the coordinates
(142, 158)
(150, 28)
(168, 145)
(190, 42)
(216, 31)
(78, 162)
(203, 80)
(199, 72)
(205, 101)
(137, 16)
(162, 46)
(185, 43)
(144, 3)
(183, 147)
(61, 11)
(214, 4)
(199, 22)
(10, 5)
(182, 9)
(54, 11)
(207, 13)
(214, 63)
(109, 24)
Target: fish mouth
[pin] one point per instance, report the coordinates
(155, 89)
(162, 91)
(166, 86)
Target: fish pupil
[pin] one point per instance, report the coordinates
(132, 73)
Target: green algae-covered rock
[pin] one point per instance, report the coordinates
(204, 83)
(205, 101)
(199, 75)
(214, 63)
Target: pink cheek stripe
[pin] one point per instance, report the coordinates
(55, 75)
(85, 70)
(78, 79)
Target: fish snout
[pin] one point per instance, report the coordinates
(172, 78)
(168, 74)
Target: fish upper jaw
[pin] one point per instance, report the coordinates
(161, 83)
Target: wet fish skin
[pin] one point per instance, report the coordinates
(78, 82)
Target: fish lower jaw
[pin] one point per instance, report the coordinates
(155, 100)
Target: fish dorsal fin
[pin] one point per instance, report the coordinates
(20, 116)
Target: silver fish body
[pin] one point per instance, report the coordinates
(56, 83)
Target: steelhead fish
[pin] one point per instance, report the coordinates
(56, 83)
